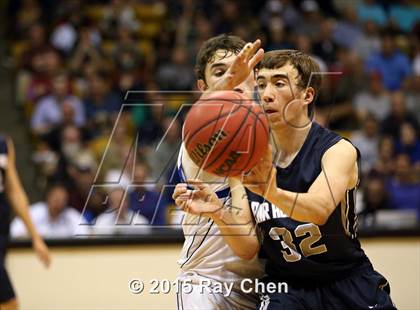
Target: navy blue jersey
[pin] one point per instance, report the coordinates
(305, 251)
(4, 207)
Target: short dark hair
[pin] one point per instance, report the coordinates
(303, 63)
(229, 43)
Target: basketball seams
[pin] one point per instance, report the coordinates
(227, 143)
(211, 121)
(216, 158)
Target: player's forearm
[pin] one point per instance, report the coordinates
(19, 203)
(236, 224)
(240, 237)
(304, 207)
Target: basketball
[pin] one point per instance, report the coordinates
(225, 133)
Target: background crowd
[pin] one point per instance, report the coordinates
(75, 61)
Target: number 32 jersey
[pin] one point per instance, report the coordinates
(299, 251)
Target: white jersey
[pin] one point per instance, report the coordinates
(205, 252)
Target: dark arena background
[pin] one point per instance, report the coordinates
(93, 95)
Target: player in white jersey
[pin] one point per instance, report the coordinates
(223, 63)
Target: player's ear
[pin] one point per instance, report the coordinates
(309, 95)
(201, 85)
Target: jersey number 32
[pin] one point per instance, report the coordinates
(311, 233)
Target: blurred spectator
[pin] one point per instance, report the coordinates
(277, 36)
(102, 104)
(386, 151)
(398, 115)
(413, 97)
(369, 42)
(325, 47)
(309, 24)
(284, 8)
(64, 37)
(44, 64)
(409, 143)
(113, 149)
(229, 15)
(88, 49)
(367, 141)
(178, 74)
(71, 147)
(375, 100)
(416, 58)
(60, 106)
(352, 78)
(303, 43)
(393, 65)
(151, 129)
(35, 42)
(347, 31)
(370, 10)
(126, 54)
(375, 196)
(81, 176)
(144, 200)
(53, 218)
(404, 15)
(163, 154)
(29, 13)
(118, 219)
(120, 13)
(403, 188)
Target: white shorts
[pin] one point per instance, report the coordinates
(196, 292)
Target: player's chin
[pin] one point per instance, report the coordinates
(275, 119)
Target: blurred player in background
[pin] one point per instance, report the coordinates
(303, 202)
(11, 192)
(223, 63)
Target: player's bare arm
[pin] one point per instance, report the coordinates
(241, 68)
(19, 202)
(234, 220)
(339, 173)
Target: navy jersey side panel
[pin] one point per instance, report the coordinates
(298, 250)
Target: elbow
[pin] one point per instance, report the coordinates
(249, 255)
(321, 216)
(248, 252)
(320, 220)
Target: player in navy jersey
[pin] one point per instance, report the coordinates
(302, 200)
(11, 192)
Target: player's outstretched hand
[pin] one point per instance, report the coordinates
(200, 201)
(262, 178)
(242, 66)
(42, 251)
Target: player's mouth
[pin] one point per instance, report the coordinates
(270, 111)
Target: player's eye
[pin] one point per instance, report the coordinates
(218, 73)
(261, 86)
(280, 84)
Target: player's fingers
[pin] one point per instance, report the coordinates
(181, 203)
(179, 189)
(47, 260)
(256, 58)
(197, 183)
(242, 56)
(254, 47)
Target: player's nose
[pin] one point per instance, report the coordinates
(267, 96)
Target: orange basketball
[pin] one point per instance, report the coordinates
(225, 133)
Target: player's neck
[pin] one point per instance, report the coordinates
(290, 139)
